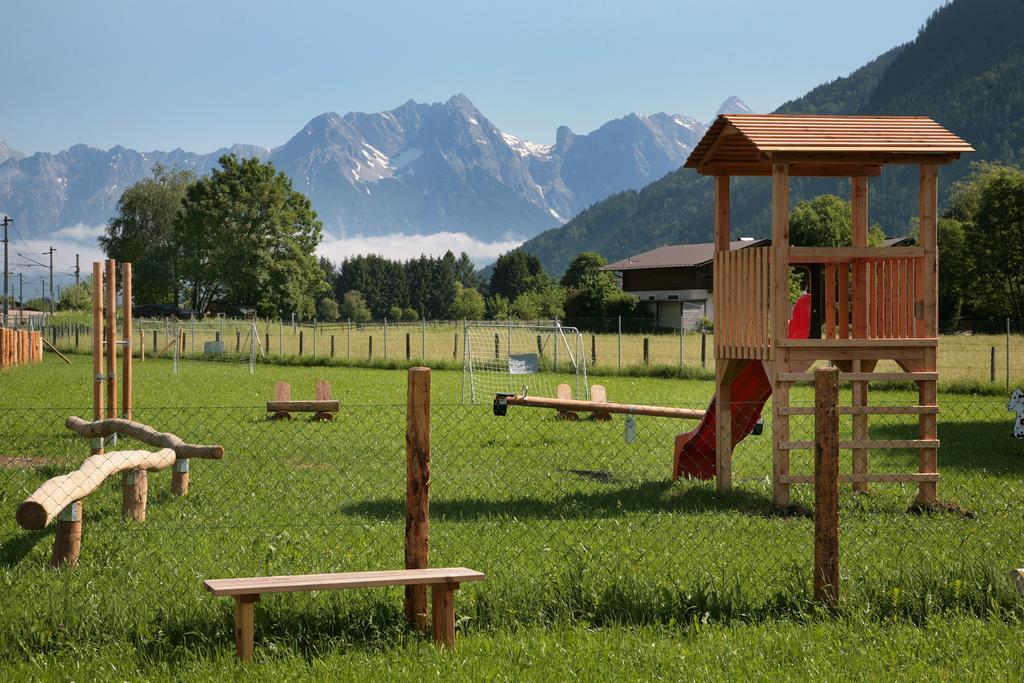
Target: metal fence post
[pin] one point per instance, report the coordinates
(348, 339)
(620, 343)
(680, 341)
(423, 339)
(826, 485)
(385, 340)
(1007, 353)
(417, 490)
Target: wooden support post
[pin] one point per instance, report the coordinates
(861, 282)
(245, 625)
(779, 312)
(826, 485)
(179, 477)
(67, 541)
(408, 346)
(723, 426)
(417, 490)
(859, 391)
(110, 293)
(300, 342)
(98, 412)
(443, 603)
(134, 483)
(927, 230)
(332, 346)
(647, 351)
(370, 351)
(455, 347)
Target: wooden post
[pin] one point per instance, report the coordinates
(408, 347)
(443, 599)
(497, 346)
(723, 398)
(98, 412)
(300, 342)
(647, 351)
(110, 293)
(134, 483)
(245, 625)
(370, 351)
(155, 352)
(593, 349)
(927, 424)
(417, 490)
(859, 391)
(332, 346)
(826, 485)
(992, 366)
(859, 227)
(67, 542)
(179, 477)
(455, 347)
(779, 312)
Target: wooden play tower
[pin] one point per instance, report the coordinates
(879, 303)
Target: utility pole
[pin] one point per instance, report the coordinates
(7, 221)
(51, 278)
(77, 270)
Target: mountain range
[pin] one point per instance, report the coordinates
(418, 168)
(965, 69)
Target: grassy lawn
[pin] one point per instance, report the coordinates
(598, 565)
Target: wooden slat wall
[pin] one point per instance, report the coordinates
(890, 294)
(741, 303)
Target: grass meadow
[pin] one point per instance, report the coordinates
(598, 565)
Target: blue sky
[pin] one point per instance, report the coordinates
(200, 75)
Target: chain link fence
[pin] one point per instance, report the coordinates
(976, 352)
(577, 520)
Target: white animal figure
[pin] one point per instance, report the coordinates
(1016, 405)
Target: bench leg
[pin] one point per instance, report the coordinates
(443, 599)
(245, 625)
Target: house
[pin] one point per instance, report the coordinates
(675, 282)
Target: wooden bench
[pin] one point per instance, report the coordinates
(281, 408)
(246, 592)
(597, 394)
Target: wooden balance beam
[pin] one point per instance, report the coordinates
(323, 408)
(501, 401)
(43, 506)
(246, 592)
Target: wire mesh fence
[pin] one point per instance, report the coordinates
(988, 351)
(569, 519)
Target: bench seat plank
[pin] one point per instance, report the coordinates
(311, 582)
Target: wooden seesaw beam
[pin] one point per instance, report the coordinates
(145, 434)
(564, 404)
(43, 506)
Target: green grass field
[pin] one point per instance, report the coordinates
(598, 565)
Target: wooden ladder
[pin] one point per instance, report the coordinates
(926, 444)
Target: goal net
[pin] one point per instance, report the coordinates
(522, 359)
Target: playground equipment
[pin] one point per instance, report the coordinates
(323, 407)
(695, 450)
(597, 395)
(61, 497)
(520, 359)
(879, 303)
(20, 347)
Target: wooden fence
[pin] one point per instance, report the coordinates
(20, 347)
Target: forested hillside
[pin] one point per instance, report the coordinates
(965, 69)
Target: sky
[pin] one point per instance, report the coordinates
(205, 74)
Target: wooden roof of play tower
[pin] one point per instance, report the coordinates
(748, 144)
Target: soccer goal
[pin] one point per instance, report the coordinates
(523, 360)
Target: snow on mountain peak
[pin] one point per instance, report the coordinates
(525, 148)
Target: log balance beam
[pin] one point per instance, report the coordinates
(502, 401)
(43, 506)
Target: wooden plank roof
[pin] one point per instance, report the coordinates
(822, 145)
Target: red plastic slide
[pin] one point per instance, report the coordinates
(695, 450)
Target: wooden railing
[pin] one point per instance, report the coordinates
(742, 295)
(870, 293)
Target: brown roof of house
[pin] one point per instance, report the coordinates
(678, 255)
(760, 139)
